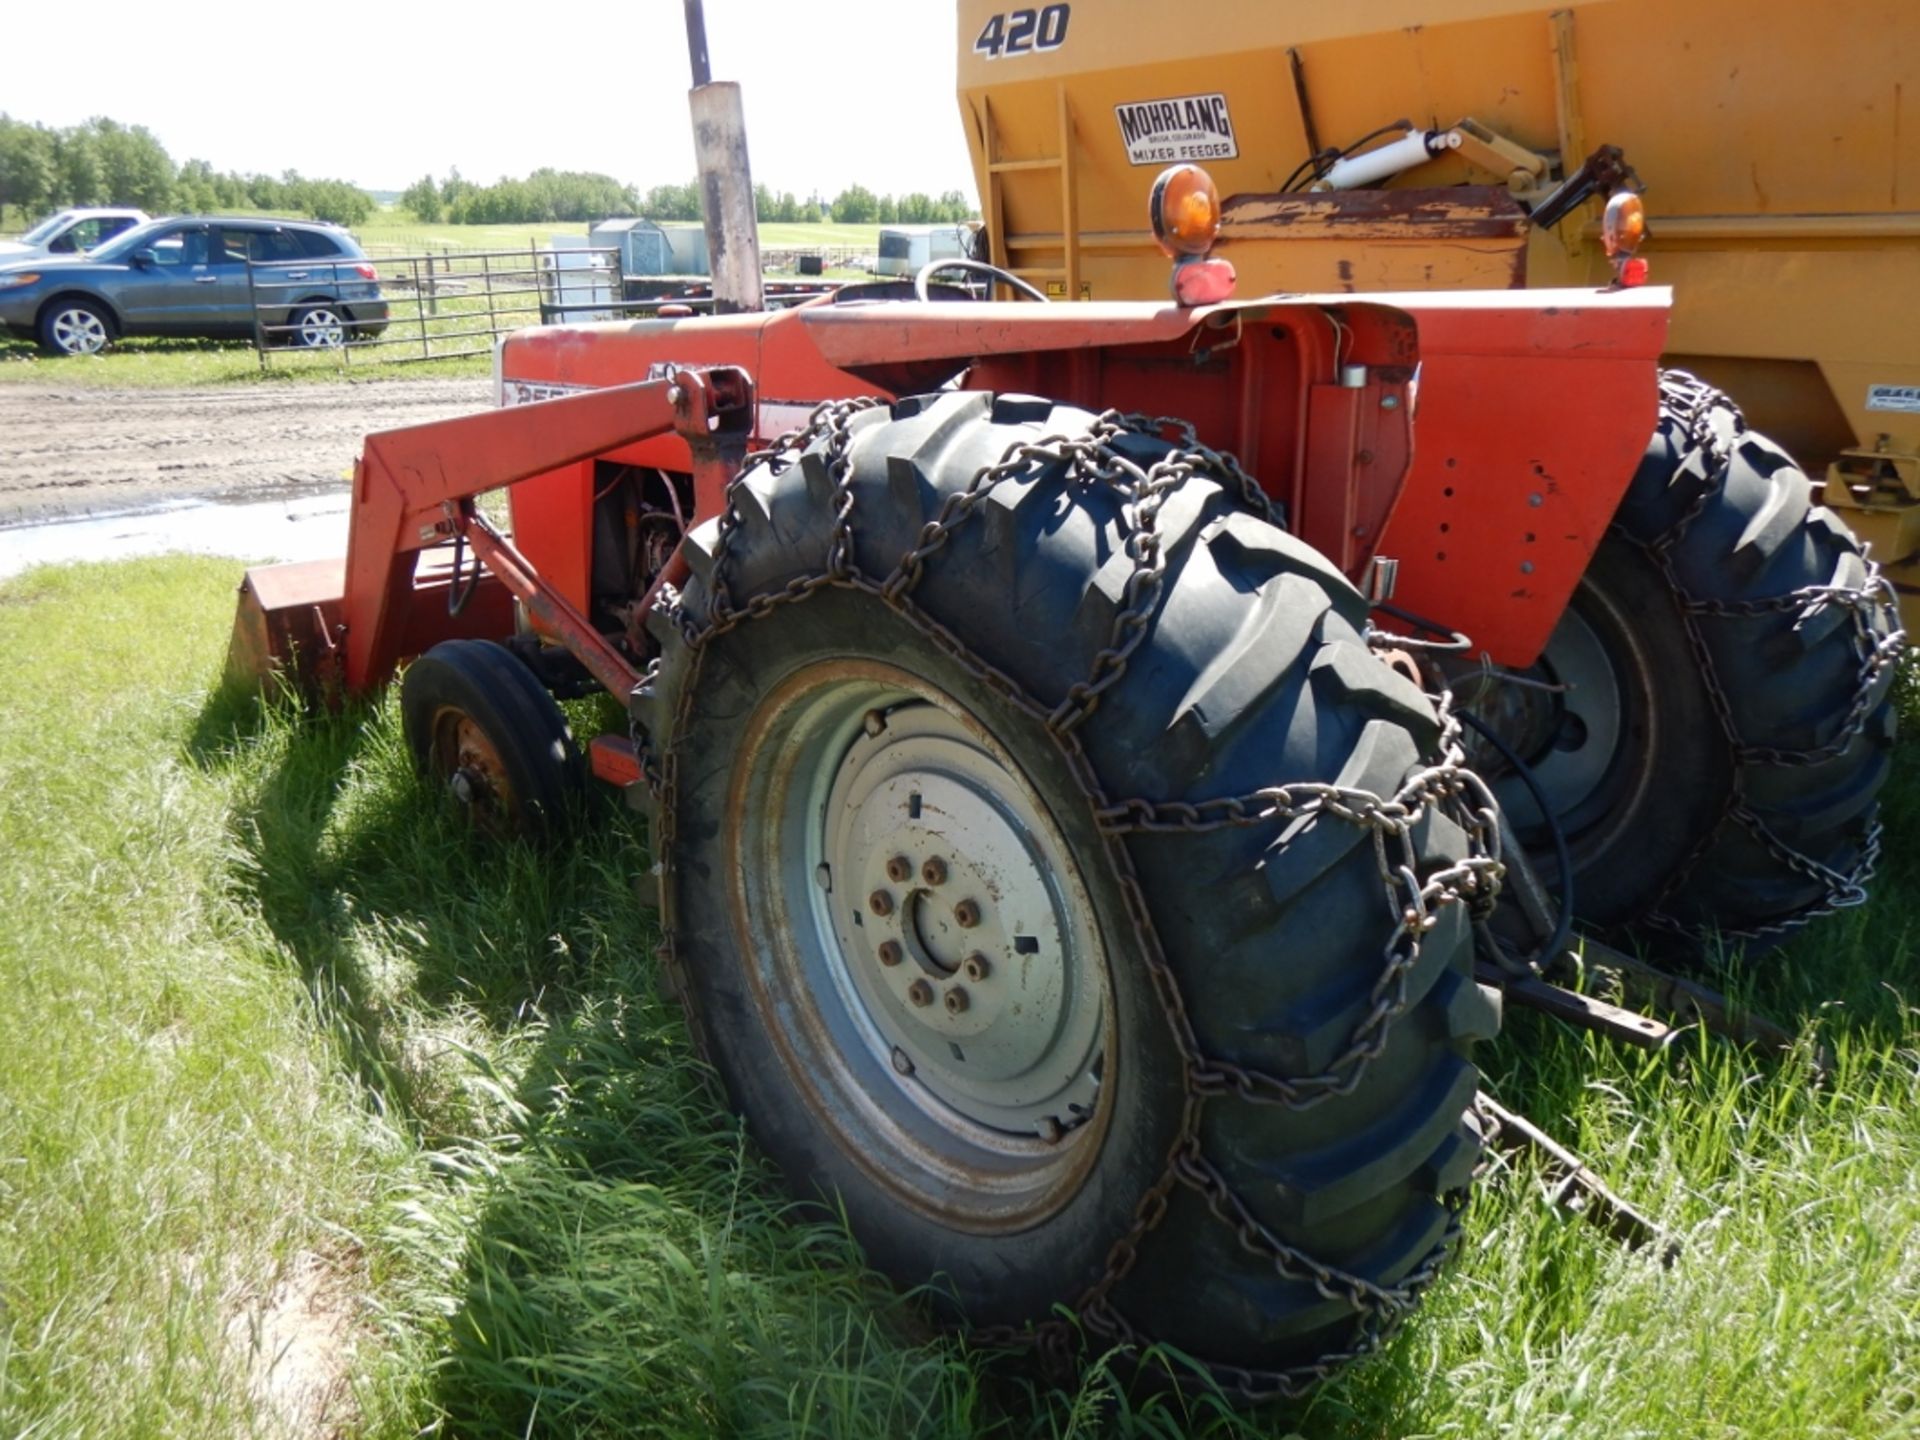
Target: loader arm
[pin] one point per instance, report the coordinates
(412, 491)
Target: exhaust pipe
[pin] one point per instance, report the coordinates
(726, 180)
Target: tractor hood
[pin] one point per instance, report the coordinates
(807, 353)
(889, 343)
(1382, 422)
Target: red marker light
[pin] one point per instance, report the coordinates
(1202, 282)
(1633, 272)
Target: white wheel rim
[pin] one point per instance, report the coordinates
(974, 1112)
(322, 328)
(79, 332)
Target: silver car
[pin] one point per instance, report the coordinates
(72, 232)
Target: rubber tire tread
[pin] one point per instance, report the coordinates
(1742, 526)
(514, 710)
(1275, 936)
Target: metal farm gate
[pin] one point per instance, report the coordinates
(409, 308)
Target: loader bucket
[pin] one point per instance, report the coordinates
(287, 628)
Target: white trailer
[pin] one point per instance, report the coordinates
(905, 248)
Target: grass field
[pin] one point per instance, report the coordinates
(164, 364)
(280, 1041)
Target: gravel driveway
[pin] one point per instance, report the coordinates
(75, 452)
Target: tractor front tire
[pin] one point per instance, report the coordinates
(988, 910)
(483, 729)
(1727, 719)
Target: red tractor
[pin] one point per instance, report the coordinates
(1075, 827)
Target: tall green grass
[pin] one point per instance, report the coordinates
(172, 363)
(263, 1002)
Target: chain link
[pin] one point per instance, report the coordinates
(1412, 901)
(1878, 643)
(1873, 610)
(643, 751)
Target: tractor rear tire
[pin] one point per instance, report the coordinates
(1039, 1045)
(1750, 648)
(481, 725)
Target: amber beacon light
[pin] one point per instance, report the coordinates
(1185, 209)
(1622, 229)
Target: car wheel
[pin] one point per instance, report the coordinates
(75, 327)
(319, 327)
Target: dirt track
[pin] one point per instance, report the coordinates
(71, 452)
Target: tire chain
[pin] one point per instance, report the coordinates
(1412, 902)
(1878, 642)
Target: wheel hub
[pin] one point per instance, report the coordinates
(1564, 716)
(79, 332)
(475, 775)
(466, 785)
(322, 329)
(920, 945)
(969, 967)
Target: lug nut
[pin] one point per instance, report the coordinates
(956, 1000)
(881, 902)
(920, 993)
(977, 966)
(934, 872)
(967, 914)
(890, 953)
(899, 868)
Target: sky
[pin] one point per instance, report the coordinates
(858, 92)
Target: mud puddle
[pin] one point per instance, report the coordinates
(306, 526)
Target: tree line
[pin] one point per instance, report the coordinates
(103, 162)
(545, 195)
(550, 195)
(855, 205)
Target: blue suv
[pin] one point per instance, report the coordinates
(309, 285)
